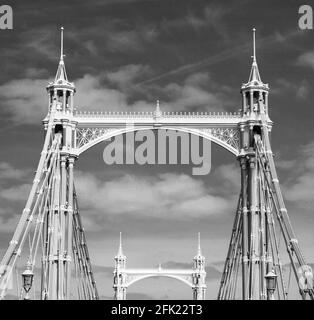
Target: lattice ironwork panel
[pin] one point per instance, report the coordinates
(86, 135)
(229, 136)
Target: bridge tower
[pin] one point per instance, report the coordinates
(194, 277)
(58, 267)
(199, 274)
(255, 113)
(261, 210)
(119, 277)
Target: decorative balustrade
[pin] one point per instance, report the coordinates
(150, 114)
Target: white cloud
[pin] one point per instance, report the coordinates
(166, 196)
(91, 94)
(15, 193)
(7, 171)
(25, 100)
(299, 187)
(134, 40)
(300, 90)
(126, 74)
(8, 219)
(306, 59)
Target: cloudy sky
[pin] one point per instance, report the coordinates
(192, 56)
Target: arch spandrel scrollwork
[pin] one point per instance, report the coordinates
(227, 137)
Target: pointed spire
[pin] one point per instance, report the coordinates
(157, 112)
(199, 251)
(120, 252)
(254, 75)
(61, 72)
(254, 46)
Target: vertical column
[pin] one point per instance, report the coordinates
(254, 239)
(244, 176)
(261, 104)
(119, 285)
(251, 101)
(49, 102)
(199, 286)
(266, 102)
(243, 103)
(70, 227)
(64, 100)
(62, 227)
(199, 293)
(263, 230)
(71, 101)
(53, 257)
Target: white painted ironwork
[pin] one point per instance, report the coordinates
(51, 227)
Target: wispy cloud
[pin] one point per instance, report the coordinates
(25, 100)
(306, 59)
(299, 186)
(167, 196)
(300, 90)
(219, 57)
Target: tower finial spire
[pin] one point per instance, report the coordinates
(254, 74)
(61, 46)
(254, 46)
(120, 244)
(157, 106)
(61, 72)
(199, 251)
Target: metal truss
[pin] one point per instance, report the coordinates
(50, 231)
(261, 222)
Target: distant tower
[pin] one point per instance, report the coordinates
(61, 90)
(199, 274)
(119, 274)
(254, 92)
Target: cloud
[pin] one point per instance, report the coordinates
(135, 40)
(139, 296)
(300, 90)
(8, 219)
(25, 100)
(15, 193)
(92, 95)
(7, 171)
(126, 74)
(229, 178)
(299, 187)
(115, 91)
(12, 193)
(306, 59)
(166, 196)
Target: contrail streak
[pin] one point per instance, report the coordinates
(223, 56)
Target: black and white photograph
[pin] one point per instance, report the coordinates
(156, 150)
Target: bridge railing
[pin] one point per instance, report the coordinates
(150, 114)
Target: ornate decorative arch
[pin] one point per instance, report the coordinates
(228, 137)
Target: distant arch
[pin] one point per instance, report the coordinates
(147, 276)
